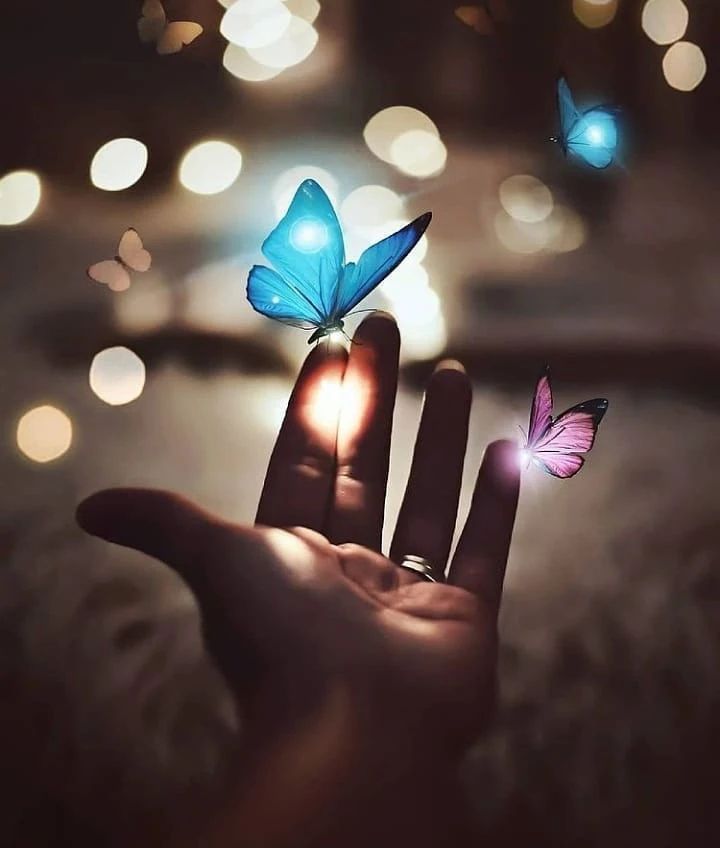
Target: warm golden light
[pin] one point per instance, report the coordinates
(210, 167)
(20, 193)
(331, 397)
(287, 184)
(684, 66)
(418, 153)
(255, 23)
(384, 128)
(44, 433)
(238, 62)
(526, 198)
(665, 21)
(118, 164)
(117, 376)
(366, 207)
(594, 14)
(294, 46)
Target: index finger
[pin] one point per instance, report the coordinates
(301, 472)
(482, 552)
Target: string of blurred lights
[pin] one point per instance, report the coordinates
(265, 38)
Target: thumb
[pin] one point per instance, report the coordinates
(169, 528)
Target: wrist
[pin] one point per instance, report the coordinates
(336, 782)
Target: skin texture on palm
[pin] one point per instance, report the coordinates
(359, 684)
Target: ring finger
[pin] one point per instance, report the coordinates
(426, 522)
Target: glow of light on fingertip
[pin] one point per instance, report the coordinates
(118, 164)
(336, 336)
(684, 66)
(117, 376)
(210, 167)
(44, 433)
(20, 193)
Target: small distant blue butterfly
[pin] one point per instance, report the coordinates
(313, 288)
(592, 135)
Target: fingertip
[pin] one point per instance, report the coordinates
(501, 464)
(378, 328)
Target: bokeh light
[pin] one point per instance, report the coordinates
(238, 62)
(370, 205)
(665, 21)
(44, 433)
(595, 13)
(294, 46)
(405, 279)
(289, 181)
(421, 323)
(255, 23)
(384, 128)
(210, 167)
(308, 10)
(118, 164)
(567, 230)
(519, 236)
(146, 307)
(684, 66)
(20, 193)
(419, 153)
(117, 375)
(526, 198)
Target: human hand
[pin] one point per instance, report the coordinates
(346, 667)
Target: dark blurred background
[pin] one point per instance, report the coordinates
(611, 667)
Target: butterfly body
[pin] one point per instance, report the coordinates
(311, 286)
(557, 444)
(590, 136)
(131, 256)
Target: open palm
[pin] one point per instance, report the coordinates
(355, 664)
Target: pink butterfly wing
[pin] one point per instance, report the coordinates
(574, 431)
(561, 465)
(132, 252)
(541, 412)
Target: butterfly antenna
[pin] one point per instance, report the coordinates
(358, 311)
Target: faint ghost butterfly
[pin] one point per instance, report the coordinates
(131, 256)
(592, 135)
(484, 18)
(313, 287)
(169, 36)
(556, 444)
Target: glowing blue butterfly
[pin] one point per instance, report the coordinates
(312, 287)
(592, 135)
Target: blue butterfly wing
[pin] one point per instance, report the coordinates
(594, 136)
(271, 295)
(376, 263)
(567, 109)
(307, 247)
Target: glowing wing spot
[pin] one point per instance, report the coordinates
(275, 299)
(595, 135)
(309, 235)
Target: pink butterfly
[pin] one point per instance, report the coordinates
(169, 36)
(131, 256)
(556, 445)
